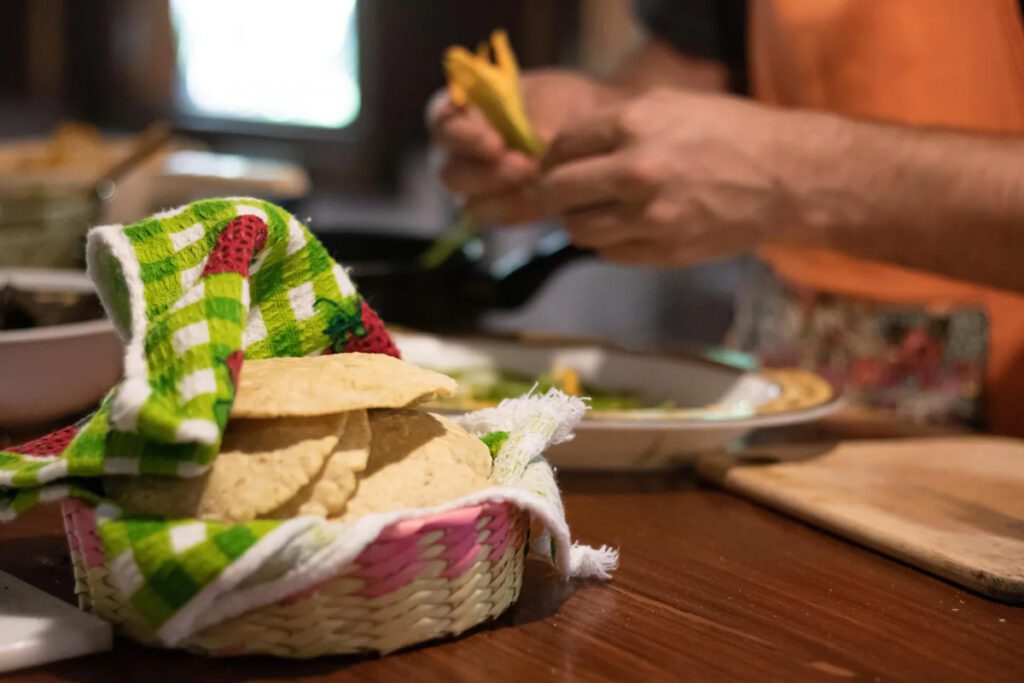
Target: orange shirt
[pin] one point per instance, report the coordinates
(952, 63)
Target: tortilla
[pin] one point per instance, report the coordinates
(261, 465)
(329, 491)
(417, 459)
(336, 383)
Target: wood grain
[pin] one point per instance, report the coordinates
(711, 588)
(950, 505)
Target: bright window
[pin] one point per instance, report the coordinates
(268, 61)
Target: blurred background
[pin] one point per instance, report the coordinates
(316, 105)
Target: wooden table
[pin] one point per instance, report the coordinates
(711, 587)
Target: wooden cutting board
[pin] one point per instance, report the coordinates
(953, 506)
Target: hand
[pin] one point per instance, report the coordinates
(672, 178)
(499, 184)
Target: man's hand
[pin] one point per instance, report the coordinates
(673, 178)
(499, 185)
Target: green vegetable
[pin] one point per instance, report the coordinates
(448, 243)
(494, 441)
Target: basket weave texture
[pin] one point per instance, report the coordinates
(421, 579)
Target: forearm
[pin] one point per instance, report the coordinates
(947, 202)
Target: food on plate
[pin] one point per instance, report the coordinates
(332, 436)
(487, 386)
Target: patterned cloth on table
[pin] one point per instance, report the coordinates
(924, 363)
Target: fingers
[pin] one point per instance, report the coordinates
(498, 184)
(473, 177)
(583, 183)
(475, 161)
(497, 193)
(625, 176)
(462, 131)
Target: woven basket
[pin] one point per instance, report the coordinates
(421, 579)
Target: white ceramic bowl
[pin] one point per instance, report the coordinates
(715, 403)
(47, 373)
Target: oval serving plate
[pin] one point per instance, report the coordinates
(714, 403)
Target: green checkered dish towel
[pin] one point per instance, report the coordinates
(194, 292)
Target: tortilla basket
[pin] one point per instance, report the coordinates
(422, 578)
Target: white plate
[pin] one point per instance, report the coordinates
(716, 404)
(47, 373)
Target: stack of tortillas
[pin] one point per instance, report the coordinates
(334, 436)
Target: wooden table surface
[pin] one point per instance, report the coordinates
(711, 587)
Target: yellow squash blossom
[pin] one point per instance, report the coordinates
(493, 87)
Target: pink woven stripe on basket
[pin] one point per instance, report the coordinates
(391, 563)
(68, 517)
(378, 563)
(442, 520)
(80, 520)
(405, 575)
(393, 559)
(466, 550)
(383, 548)
(461, 552)
(499, 538)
